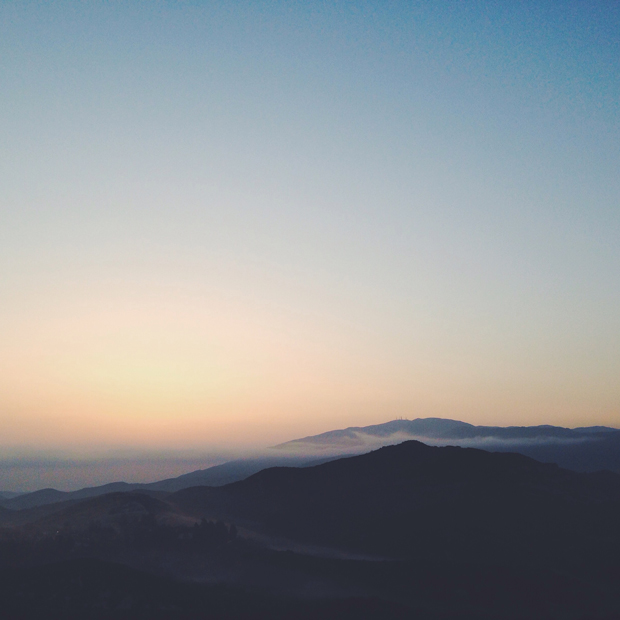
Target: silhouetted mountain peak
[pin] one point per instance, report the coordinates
(417, 500)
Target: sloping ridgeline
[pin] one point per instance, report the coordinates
(455, 505)
(581, 449)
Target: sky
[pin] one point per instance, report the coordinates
(225, 225)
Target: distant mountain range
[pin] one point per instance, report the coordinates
(408, 530)
(404, 501)
(583, 449)
(459, 532)
(440, 429)
(217, 475)
(586, 449)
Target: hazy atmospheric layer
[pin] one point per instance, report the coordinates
(234, 224)
(590, 449)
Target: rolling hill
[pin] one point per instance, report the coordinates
(217, 475)
(413, 500)
(587, 449)
(435, 531)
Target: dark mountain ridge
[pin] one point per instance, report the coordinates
(9, 494)
(413, 500)
(460, 532)
(586, 449)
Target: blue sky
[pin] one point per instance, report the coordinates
(231, 224)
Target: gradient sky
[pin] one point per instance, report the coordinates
(229, 224)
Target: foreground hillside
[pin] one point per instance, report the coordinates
(92, 589)
(407, 531)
